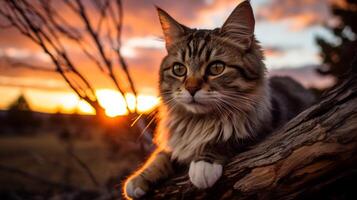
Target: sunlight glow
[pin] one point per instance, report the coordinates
(115, 104)
(130, 99)
(112, 102)
(85, 108)
(146, 103)
(69, 103)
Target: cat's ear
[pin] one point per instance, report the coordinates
(171, 28)
(239, 27)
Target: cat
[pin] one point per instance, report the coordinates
(216, 100)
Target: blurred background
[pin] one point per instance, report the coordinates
(79, 79)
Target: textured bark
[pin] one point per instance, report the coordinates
(315, 154)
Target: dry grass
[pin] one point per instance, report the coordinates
(45, 156)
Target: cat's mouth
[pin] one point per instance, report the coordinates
(196, 107)
(195, 102)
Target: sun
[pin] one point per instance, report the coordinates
(115, 104)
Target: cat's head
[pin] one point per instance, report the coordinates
(212, 71)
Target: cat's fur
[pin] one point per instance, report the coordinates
(206, 118)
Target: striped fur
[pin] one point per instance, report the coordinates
(206, 118)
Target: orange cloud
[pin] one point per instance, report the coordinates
(141, 44)
(300, 14)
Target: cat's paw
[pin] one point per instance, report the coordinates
(135, 187)
(204, 174)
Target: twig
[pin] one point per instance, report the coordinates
(39, 179)
(85, 168)
(30, 66)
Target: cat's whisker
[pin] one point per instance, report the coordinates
(241, 100)
(146, 127)
(136, 119)
(231, 107)
(217, 106)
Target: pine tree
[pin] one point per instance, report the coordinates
(19, 114)
(337, 56)
(20, 104)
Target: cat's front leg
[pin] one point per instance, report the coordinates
(204, 171)
(157, 167)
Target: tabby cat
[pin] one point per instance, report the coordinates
(216, 100)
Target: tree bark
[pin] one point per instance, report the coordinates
(314, 155)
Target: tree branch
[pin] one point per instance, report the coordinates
(17, 64)
(86, 169)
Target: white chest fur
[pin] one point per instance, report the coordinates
(189, 135)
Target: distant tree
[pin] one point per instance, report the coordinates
(20, 116)
(20, 104)
(337, 56)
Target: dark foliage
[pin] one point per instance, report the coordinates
(337, 56)
(20, 116)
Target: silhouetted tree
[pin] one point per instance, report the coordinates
(20, 104)
(337, 56)
(19, 115)
(96, 33)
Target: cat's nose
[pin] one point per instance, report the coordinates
(193, 84)
(192, 90)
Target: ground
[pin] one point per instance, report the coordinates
(45, 156)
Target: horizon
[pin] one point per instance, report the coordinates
(287, 35)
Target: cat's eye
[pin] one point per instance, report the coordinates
(179, 69)
(216, 68)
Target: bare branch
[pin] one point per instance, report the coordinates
(19, 64)
(47, 27)
(50, 43)
(95, 38)
(34, 87)
(102, 10)
(6, 26)
(39, 179)
(85, 168)
(121, 59)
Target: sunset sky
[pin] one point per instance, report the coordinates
(286, 30)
